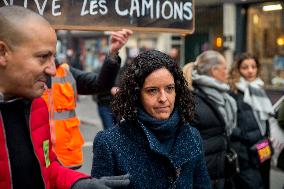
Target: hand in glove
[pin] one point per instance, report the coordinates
(102, 183)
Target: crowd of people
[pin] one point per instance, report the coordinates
(203, 126)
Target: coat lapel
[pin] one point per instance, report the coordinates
(185, 148)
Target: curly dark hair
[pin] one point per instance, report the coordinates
(126, 101)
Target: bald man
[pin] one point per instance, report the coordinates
(27, 50)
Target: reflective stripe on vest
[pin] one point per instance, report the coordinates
(63, 80)
(64, 115)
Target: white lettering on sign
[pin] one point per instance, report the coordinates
(178, 11)
(95, 7)
(165, 10)
(103, 8)
(158, 9)
(83, 10)
(134, 8)
(40, 9)
(118, 11)
(188, 8)
(168, 10)
(170, 6)
(55, 8)
(137, 8)
(146, 6)
(6, 2)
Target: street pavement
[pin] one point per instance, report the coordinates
(91, 125)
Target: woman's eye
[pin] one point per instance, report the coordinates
(152, 91)
(170, 88)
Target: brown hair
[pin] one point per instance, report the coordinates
(235, 70)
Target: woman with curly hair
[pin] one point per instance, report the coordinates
(254, 109)
(215, 114)
(153, 141)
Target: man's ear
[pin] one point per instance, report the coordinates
(3, 53)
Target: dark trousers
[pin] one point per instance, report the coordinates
(106, 115)
(264, 169)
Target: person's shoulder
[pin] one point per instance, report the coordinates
(121, 135)
(114, 133)
(200, 96)
(104, 134)
(105, 137)
(37, 104)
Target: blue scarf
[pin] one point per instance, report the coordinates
(160, 133)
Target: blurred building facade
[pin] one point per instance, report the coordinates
(235, 26)
(228, 26)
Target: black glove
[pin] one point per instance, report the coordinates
(102, 183)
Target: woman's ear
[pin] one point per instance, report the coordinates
(3, 53)
(213, 71)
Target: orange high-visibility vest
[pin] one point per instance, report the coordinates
(65, 133)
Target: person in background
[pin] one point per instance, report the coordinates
(215, 113)
(27, 50)
(174, 54)
(254, 110)
(153, 140)
(278, 80)
(280, 120)
(68, 82)
(280, 115)
(104, 99)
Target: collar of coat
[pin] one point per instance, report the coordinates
(3, 100)
(187, 146)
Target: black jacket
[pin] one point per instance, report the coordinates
(105, 98)
(209, 121)
(244, 136)
(247, 132)
(89, 83)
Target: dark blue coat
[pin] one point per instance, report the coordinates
(126, 149)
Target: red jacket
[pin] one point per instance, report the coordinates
(54, 175)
